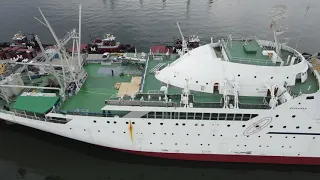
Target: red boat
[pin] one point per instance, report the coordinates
(108, 44)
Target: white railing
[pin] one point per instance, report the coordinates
(34, 117)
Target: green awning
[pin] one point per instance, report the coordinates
(35, 104)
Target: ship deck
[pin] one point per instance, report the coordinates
(251, 53)
(100, 86)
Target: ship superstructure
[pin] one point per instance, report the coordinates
(236, 100)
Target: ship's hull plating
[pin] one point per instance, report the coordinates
(230, 158)
(288, 134)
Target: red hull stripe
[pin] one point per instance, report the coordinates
(230, 158)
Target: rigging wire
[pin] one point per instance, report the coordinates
(305, 17)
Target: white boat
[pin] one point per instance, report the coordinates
(235, 100)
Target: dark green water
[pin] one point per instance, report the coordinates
(33, 155)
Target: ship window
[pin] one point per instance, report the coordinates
(246, 117)
(144, 116)
(174, 115)
(190, 116)
(230, 117)
(222, 116)
(254, 115)
(198, 116)
(206, 116)
(167, 115)
(182, 115)
(214, 116)
(238, 117)
(159, 115)
(310, 97)
(151, 115)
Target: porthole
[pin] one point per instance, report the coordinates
(151, 143)
(257, 126)
(267, 146)
(202, 124)
(187, 144)
(172, 133)
(277, 115)
(237, 144)
(174, 76)
(213, 135)
(165, 133)
(183, 124)
(271, 77)
(84, 129)
(207, 83)
(177, 124)
(161, 124)
(154, 133)
(287, 77)
(313, 137)
(284, 127)
(245, 145)
(115, 122)
(201, 144)
(221, 135)
(243, 125)
(149, 123)
(286, 137)
(282, 146)
(124, 132)
(187, 134)
(294, 137)
(95, 121)
(196, 81)
(271, 126)
(259, 136)
(293, 116)
(228, 125)
(309, 127)
(299, 103)
(247, 136)
(198, 134)
(70, 128)
(270, 136)
(259, 145)
(208, 144)
(127, 122)
(176, 143)
(133, 122)
(196, 124)
(108, 122)
(112, 131)
(297, 127)
(161, 143)
(98, 130)
(238, 75)
(236, 135)
(255, 76)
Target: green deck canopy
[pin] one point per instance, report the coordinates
(35, 104)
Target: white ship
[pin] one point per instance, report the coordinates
(235, 100)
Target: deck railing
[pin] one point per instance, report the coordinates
(34, 117)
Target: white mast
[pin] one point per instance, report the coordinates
(184, 42)
(79, 40)
(276, 14)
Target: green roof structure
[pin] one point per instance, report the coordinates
(35, 104)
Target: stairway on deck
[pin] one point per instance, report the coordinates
(157, 67)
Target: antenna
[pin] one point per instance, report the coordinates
(277, 13)
(305, 17)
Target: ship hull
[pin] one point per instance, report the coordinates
(228, 158)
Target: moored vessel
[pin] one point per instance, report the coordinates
(240, 99)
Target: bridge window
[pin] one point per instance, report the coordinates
(190, 115)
